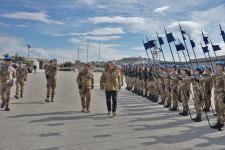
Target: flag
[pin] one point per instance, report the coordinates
(170, 37)
(205, 39)
(151, 43)
(146, 45)
(216, 47)
(28, 46)
(192, 43)
(182, 32)
(205, 49)
(160, 39)
(222, 33)
(179, 47)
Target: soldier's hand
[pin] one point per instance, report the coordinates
(79, 86)
(92, 87)
(224, 99)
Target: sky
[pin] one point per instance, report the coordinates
(53, 28)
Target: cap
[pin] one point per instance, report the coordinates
(7, 58)
(220, 63)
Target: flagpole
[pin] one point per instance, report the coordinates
(161, 48)
(170, 47)
(186, 48)
(28, 52)
(209, 58)
(193, 50)
(151, 51)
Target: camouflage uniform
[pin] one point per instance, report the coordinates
(161, 80)
(219, 94)
(85, 81)
(206, 90)
(174, 90)
(185, 94)
(7, 73)
(51, 72)
(21, 77)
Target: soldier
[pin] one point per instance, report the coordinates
(51, 72)
(161, 78)
(196, 84)
(185, 89)
(85, 81)
(7, 73)
(219, 95)
(174, 87)
(21, 78)
(207, 88)
(110, 82)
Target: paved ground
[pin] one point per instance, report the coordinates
(141, 125)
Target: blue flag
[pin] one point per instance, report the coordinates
(182, 32)
(180, 47)
(192, 43)
(151, 43)
(28, 46)
(146, 45)
(170, 37)
(205, 49)
(216, 47)
(205, 39)
(161, 42)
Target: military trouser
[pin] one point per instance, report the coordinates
(5, 92)
(168, 95)
(207, 98)
(197, 102)
(162, 91)
(111, 100)
(51, 85)
(174, 95)
(151, 87)
(85, 96)
(184, 98)
(20, 87)
(220, 107)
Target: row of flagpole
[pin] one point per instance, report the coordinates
(183, 46)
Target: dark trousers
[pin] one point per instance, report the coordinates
(111, 100)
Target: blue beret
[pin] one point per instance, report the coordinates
(198, 68)
(220, 63)
(8, 58)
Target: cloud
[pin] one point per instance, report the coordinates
(35, 16)
(102, 38)
(6, 25)
(161, 9)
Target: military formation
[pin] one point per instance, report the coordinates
(175, 84)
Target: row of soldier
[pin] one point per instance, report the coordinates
(176, 84)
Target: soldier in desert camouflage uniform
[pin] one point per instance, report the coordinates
(85, 81)
(219, 95)
(7, 73)
(21, 77)
(51, 72)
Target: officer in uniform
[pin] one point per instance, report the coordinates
(7, 73)
(174, 87)
(51, 72)
(110, 82)
(219, 95)
(21, 78)
(85, 81)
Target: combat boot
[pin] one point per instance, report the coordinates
(3, 105)
(167, 105)
(206, 109)
(141, 93)
(150, 97)
(52, 99)
(215, 126)
(161, 102)
(198, 118)
(156, 98)
(145, 95)
(184, 113)
(220, 127)
(173, 109)
(47, 100)
(88, 110)
(114, 114)
(16, 97)
(7, 108)
(21, 95)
